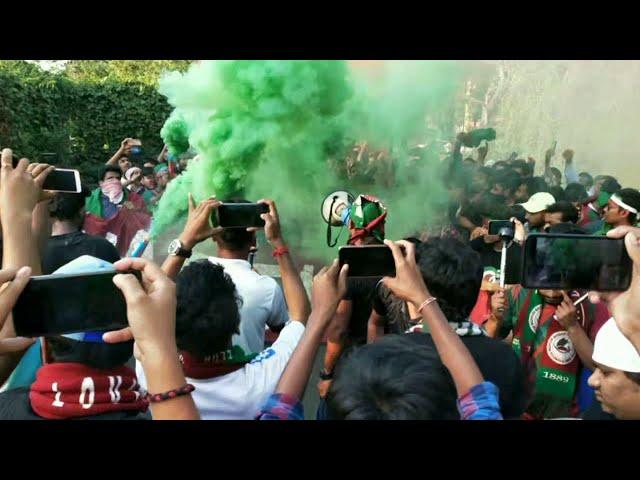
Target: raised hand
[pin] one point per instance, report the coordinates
(566, 313)
(21, 187)
(408, 283)
(151, 308)
(328, 288)
(272, 229)
(198, 227)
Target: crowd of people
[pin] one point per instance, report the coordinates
(442, 339)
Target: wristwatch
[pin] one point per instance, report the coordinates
(176, 249)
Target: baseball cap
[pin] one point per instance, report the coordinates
(538, 202)
(612, 349)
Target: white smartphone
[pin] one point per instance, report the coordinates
(63, 180)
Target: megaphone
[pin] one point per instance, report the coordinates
(334, 205)
(333, 210)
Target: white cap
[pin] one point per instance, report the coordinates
(612, 349)
(539, 202)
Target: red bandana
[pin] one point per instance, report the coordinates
(68, 390)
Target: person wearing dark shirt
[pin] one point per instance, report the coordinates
(68, 241)
(453, 272)
(366, 220)
(390, 314)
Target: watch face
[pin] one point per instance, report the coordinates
(174, 247)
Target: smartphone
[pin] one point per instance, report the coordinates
(60, 179)
(63, 180)
(57, 304)
(368, 260)
(239, 215)
(554, 145)
(135, 146)
(496, 225)
(576, 262)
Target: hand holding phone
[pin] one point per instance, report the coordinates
(408, 284)
(272, 229)
(328, 288)
(197, 227)
(20, 192)
(150, 306)
(58, 179)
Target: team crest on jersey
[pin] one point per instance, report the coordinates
(560, 349)
(534, 317)
(268, 353)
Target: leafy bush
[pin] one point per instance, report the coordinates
(82, 122)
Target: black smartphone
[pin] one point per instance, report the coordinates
(60, 179)
(576, 262)
(368, 260)
(496, 225)
(239, 215)
(57, 304)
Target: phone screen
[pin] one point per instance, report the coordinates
(496, 225)
(576, 262)
(237, 215)
(52, 305)
(368, 261)
(63, 180)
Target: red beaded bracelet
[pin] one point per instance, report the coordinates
(280, 251)
(178, 392)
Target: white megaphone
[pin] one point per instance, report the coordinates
(333, 209)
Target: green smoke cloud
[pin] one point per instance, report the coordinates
(277, 129)
(175, 134)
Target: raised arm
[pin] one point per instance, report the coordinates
(570, 173)
(20, 191)
(409, 285)
(328, 286)
(123, 150)
(151, 313)
(196, 230)
(292, 286)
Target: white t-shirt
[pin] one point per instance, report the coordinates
(262, 303)
(239, 395)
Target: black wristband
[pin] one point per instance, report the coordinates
(324, 375)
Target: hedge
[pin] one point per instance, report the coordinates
(82, 123)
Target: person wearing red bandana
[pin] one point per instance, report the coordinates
(113, 209)
(366, 219)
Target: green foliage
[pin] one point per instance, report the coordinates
(137, 71)
(82, 122)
